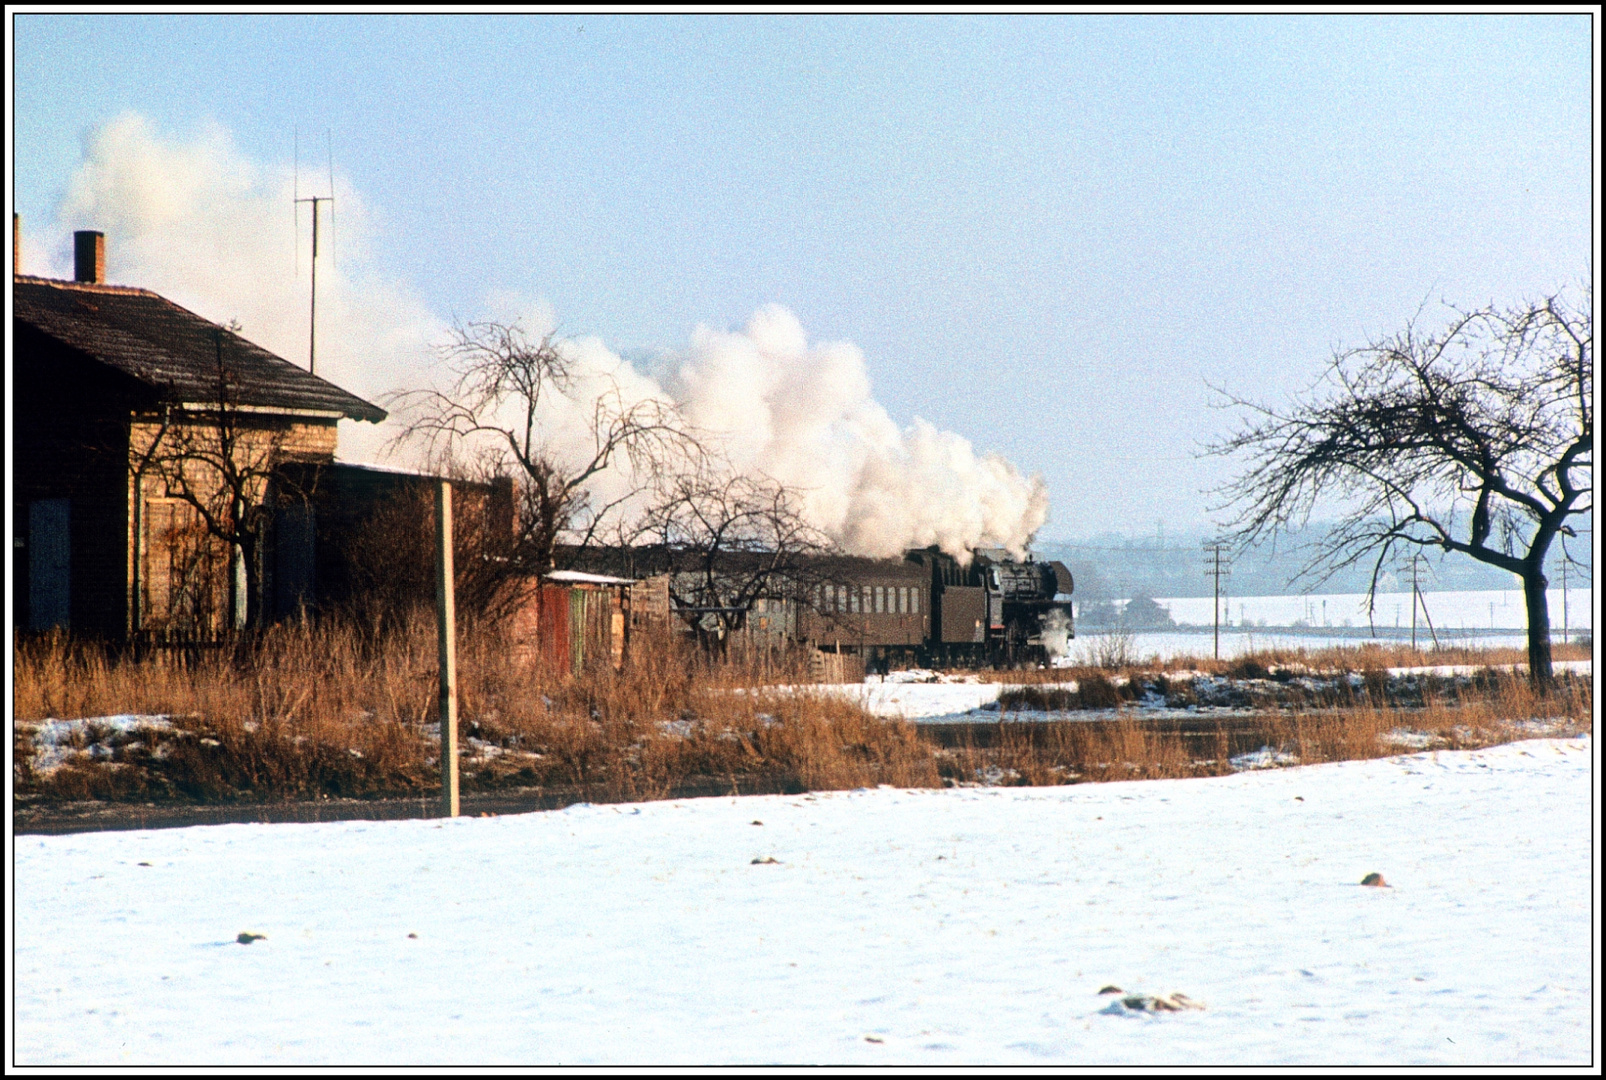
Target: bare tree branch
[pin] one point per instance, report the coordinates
(1475, 439)
(496, 413)
(726, 541)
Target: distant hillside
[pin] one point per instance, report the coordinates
(1111, 566)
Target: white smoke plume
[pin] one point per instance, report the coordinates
(805, 416)
(200, 223)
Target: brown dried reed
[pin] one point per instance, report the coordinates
(307, 710)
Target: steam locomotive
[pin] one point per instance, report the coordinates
(996, 610)
(930, 609)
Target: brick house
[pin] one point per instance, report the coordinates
(108, 380)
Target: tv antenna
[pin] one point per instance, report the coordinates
(297, 200)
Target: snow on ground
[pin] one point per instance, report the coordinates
(1444, 671)
(917, 701)
(969, 926)
(57, 742)
(1236, 642)
(1449, 610)
(960, 699)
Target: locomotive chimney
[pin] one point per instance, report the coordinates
(89, 257)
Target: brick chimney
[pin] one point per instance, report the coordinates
(89, 257)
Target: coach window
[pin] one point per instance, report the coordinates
(914, 601)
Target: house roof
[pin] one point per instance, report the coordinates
(173, 350)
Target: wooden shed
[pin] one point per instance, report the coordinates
(573, 621)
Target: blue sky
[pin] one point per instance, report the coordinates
(1047, 233)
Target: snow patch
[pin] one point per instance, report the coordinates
(61, 742)
(1265, 758)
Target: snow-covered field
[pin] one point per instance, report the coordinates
(1236, 642)
(1450, 610)
(970, 926)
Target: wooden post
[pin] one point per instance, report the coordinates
(446, 622)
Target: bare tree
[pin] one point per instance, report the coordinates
(1475, 439)
(220, 461)
(727, 541)
(492, 421)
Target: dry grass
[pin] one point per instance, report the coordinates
(1380, 718)
(1123, 662)
(307, 711)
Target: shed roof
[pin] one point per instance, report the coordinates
(173, 350)
(577, 577)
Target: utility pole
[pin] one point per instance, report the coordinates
(1216, 568)
(1414, 558)
(1417, 597)
(1564, 592)
(446, 625)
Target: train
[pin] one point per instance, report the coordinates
(927, 609)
